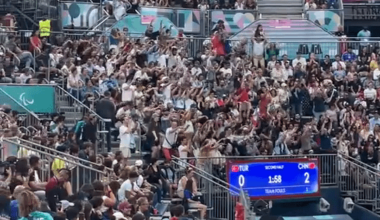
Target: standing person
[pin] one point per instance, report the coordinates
(126, 137)
(170, 141)
(259, 42)
(107, 110)
(364, 36)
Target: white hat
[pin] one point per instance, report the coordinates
(138, 163)
(66, 204)
(118, 215)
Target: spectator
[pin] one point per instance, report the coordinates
(29, 205)
(107, 110)
(310, 5)
(24, 57)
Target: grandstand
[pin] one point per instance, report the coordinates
(143, 109)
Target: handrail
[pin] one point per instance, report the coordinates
(348, 159)
(30, 112)
(47, 154)
(26, 129)
(82, 105)
(212, 181)
(102, 20)
(57, 152)
(360, 163)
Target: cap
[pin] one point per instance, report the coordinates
(66, 204)
(138, 163)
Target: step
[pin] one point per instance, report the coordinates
(69, 109)
(277, 5)
(283, 2)
(269, 16)
(274, 11)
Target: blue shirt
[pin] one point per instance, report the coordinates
(373, 122)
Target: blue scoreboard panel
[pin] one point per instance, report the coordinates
(274, 178)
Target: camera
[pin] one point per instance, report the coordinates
(348, 205)
(324, 206)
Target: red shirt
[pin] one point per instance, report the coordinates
(217, 46)
(36, 41)
(243, 95)
(53, 182)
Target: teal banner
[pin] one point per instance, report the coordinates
(37, 99)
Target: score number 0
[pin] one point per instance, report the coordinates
(242, 179)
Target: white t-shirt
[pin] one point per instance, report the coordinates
(335, 65)
(127, 92)
(370, 93)
(73, 79)
(125, 138)
(300, 60)
(182, 154)
(239, 6)
(167, 93)
(171, 137)
(376, 74)
(126, 186)
(258, 49)
(137, 185)
(162, 60)
(24, 77)
(195, 71)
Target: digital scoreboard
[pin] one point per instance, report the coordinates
(274, 178)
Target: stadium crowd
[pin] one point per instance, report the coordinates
(227, 100)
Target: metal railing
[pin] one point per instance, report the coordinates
(80, 173)
(219, 196)
(54, 152)
(29, 117)
(80, 108)
(358, 182)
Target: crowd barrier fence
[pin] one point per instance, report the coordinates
(82, 172)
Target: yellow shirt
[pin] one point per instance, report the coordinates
(373, 65)
(57, 165)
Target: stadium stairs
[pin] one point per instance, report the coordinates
(273, 9)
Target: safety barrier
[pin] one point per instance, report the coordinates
(219, 196)
(82, 171)
(359, 183)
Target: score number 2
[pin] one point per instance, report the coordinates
(307, 177)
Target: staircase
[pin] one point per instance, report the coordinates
(73, 113)
(273, 9)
